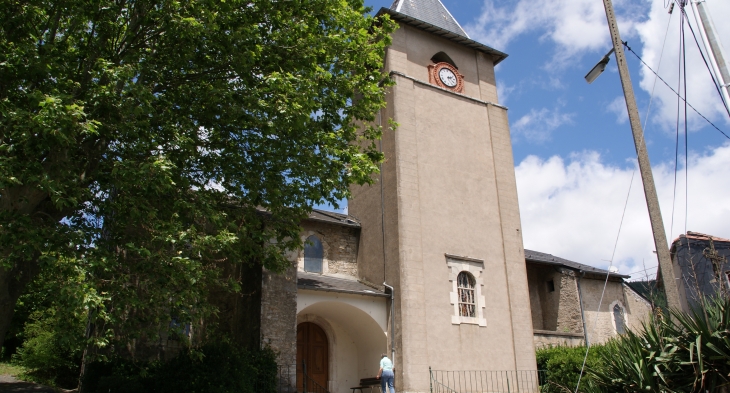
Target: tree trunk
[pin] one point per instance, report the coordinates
(12, 284)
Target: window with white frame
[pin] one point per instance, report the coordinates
(466, 279)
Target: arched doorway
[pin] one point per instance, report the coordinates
(312, 351)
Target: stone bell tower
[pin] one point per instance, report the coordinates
(442, 224)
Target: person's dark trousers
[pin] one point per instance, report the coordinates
(387, 380)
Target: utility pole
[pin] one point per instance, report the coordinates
(713, 47)
(669, 276)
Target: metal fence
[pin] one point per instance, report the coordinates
(476, 381)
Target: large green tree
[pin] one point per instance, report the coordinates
(146, 137)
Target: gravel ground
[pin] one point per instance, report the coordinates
(9, 384)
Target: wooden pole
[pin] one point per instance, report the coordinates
(670, 279)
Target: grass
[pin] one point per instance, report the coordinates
(11, 369)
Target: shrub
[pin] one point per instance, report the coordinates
(563, 364)
(48, 355)
(215, 368)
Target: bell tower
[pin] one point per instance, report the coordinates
(441, 224)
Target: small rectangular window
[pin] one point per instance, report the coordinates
(551, 286)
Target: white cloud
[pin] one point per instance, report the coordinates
(575, 26)
(701, 92)
(503, 92)
(578, 27)
(618, 108)
(572, 208)
(538, 125)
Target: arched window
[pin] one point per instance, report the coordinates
(467, 300)
(618, 319)
(442, 57)
(313, 255)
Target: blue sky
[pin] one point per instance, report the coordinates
(573, 149)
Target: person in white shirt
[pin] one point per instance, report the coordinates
(385, 374)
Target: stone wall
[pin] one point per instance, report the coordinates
(339, 244)
(557, 310)
(279, 291)
(279, 314)
(570, 319)
(544, 338)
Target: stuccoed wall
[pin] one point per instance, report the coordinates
(449, 188)
(600, 324)
(637, 307)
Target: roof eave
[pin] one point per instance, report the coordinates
(449, 35)
(587, 272)
(337, 290)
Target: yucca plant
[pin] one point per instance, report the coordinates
(703, 341)
(684, 353)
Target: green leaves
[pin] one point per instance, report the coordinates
(684, 353)
(142, 139)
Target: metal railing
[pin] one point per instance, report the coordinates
(307, 384)
(289, 379)
(285, 381)
(477, 381)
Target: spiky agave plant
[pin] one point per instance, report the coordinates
(703, 341)
(689, 352)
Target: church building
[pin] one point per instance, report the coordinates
(436, 275)
(428, 265)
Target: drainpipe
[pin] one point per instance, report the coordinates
(382, 228)
(392, 322)
(580, 301)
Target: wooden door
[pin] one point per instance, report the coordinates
(312, 350)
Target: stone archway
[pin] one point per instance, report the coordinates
(312, 353)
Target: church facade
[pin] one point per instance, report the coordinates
(428, 265)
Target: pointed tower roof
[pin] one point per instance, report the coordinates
(433, 17)
(429, 11)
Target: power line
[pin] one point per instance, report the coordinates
(715, 82)
(643, 270)
(674, 91)
(605, 283)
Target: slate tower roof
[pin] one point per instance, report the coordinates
(429, 11)
(433, 17)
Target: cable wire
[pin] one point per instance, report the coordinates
(661, 56)
(686, 129)
(674, 91)
(715, 82)
(605, 283)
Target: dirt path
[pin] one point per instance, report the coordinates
(9, 384)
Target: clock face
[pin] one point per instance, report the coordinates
(447, 77)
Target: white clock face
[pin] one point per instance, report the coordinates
(447, 77)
